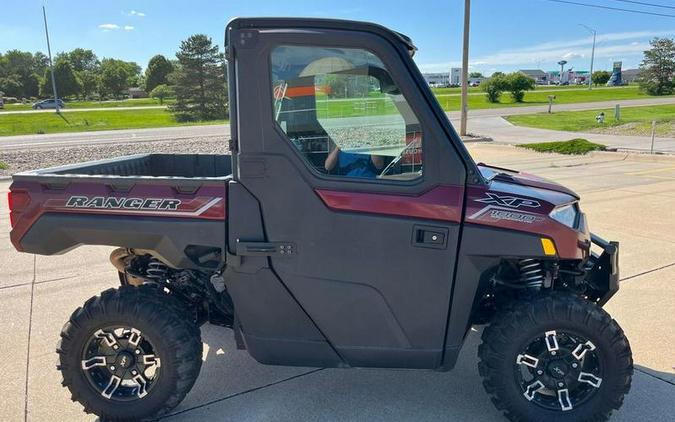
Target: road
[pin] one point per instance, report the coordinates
(626, 198)
(68, 110)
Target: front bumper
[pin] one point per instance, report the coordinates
(602, 271)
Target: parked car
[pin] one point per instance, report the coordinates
(377, 248)
(48, 103)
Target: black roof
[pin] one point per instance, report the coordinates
(270, 22)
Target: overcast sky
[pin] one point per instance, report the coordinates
(505, 34)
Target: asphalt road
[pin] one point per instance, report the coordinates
(68, 110)
(183, 132)
(627, 198)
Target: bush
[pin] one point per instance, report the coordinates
(493, 87)
(160, 92)
(576, 146)
(3, 166)
(600, 77)
(517, 84)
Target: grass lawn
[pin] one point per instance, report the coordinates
(28, 124)
(634, 121)
(540, 97)
(137, 102)
(576, 146)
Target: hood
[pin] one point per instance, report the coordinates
(499, 174)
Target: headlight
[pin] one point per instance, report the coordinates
(566, 214)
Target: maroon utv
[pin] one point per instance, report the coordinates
(348, 228)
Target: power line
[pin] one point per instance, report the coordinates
(597, 6)
(647, 4)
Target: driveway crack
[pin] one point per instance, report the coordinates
(241, 393)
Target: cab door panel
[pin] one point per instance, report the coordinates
(374, 288)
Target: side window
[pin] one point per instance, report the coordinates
(343, 112)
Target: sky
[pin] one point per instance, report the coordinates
(506, 35)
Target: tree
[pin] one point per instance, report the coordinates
(476, 75)
(67, 84)
(83, 60)
(657, 67)
(161, 92)
(157, 72)
(494, 86)
(17, 69)
(600, 77)
(115, 76)
(199, 81)
(517, 83)
(89, 81)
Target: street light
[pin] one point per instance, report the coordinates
(592, 31)
(562, 64)
(51, 66)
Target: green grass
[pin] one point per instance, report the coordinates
(74, 121)
(576, 146)
(3, 166)
(634, 120)
(138, 102)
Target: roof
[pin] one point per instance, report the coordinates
(535, 73)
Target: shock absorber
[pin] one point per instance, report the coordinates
(157, 270)
(531, 273)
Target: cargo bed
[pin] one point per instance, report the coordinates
(173, 204)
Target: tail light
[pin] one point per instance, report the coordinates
(18, 201)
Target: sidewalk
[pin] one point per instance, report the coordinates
(500, 130)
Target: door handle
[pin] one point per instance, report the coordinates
(430, 237)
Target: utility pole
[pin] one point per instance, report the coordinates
(51, 66)
(465, 69)
(592, 54)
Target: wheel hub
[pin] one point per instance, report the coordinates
(559, 370)
(125, 359)
(120, 363)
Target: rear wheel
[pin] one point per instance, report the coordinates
(555, 358)
(130, 354)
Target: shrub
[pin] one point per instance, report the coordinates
(494, 87)
(576, 146)
(517, 83)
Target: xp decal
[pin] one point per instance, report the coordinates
(508, 201)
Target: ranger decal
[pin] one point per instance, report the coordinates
(111, 202)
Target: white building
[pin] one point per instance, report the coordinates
(436, 79)
(455, 76)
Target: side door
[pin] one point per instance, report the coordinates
(358, 180)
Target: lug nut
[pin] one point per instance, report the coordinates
(553, 352)
(112, 367)
(138, 351)
(133, 372)
(540, 372)
(574, 365)
(560, 384)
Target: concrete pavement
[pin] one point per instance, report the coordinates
(626, 198)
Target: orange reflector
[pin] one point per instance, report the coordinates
(549, 247)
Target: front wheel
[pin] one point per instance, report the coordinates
(130, 354)
(555, 358)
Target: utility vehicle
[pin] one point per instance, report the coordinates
(348, 228)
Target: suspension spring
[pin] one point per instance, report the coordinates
(157, 271)
(531, 273)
